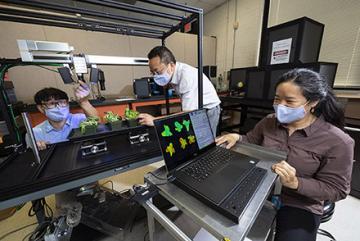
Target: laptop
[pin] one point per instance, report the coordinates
(223, 179)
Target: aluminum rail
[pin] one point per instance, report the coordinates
(98, 25)
(89, 12)
(133, 8)
(173, 5)
(69, 25)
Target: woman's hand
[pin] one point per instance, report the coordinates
(228, 139)
(287, 174)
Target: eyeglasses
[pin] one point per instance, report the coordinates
(54, 103)
(159, 72)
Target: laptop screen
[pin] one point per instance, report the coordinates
(183, 136)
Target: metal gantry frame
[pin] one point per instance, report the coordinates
(86, 18)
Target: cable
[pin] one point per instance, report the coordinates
(40, 66)
(326, 234)
(112, 185)
(26, 237)
(146, 234)
(40, 231)
(16, 230)
(48, 211)
(160, 178)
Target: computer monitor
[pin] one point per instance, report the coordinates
(237, 76)
(209, 71)
(255, 84)
(328, 71)
(183, 136)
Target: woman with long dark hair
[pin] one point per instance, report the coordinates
(308, 125)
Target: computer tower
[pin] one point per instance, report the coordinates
(296, 41)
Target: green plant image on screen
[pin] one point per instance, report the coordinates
(170, 149)
(178, 126)
(191, 139)
(167, 132)
(183, 143)
(186, 123)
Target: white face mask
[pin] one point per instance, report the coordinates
(58, 113)
(162, 79)
(287, 115)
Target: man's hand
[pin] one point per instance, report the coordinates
(41, 145)
(287, 174)
(146, 119)
(82, 91)
(228, 139)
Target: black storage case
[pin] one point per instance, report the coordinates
(306, 35)
(142, 88)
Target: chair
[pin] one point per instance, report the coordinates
(329, 208)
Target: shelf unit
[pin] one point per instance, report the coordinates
(102, 16)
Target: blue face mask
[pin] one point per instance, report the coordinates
(162, 79)
(287, 115)
(57, 113)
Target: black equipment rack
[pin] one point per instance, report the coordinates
(81, 14)
(114, 17)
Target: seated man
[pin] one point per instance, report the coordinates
(54, 103)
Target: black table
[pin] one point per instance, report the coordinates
(63, 168)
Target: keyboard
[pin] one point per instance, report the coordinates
(234, 205)
(206, 165)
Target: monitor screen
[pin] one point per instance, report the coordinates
(255, 84)
(182, 136)
(209, 71)
(237, 76)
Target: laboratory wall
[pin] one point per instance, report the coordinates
(237, 27)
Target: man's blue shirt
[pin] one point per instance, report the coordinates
(45, 132)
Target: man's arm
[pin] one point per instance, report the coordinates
(81, 93)
(148, 120)
(88, 109)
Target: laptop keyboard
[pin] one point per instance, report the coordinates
(204, 166)
(236, 202)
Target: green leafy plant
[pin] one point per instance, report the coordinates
(131, 114)
(90, 123)
(111, 117)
